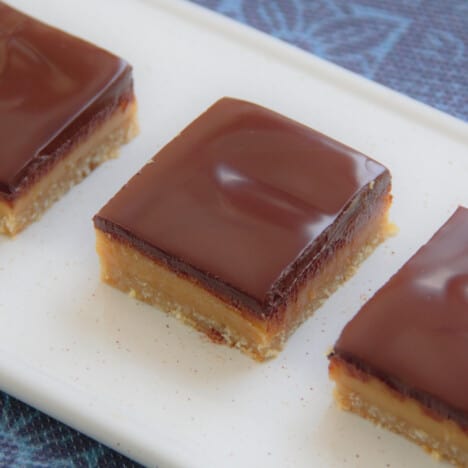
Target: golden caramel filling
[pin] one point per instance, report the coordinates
(125, 268)
(101, 145)
(372, 399)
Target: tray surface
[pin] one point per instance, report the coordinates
(137, 379)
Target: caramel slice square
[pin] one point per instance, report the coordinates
(243, 225)
(65, 107)
(402, 361)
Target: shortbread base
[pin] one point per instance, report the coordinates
(102, 144)
(374, 400)
(127, 269)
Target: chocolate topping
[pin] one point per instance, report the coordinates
(51, 85)
(413, 334)
(239, 199)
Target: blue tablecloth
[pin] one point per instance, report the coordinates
(417, 47)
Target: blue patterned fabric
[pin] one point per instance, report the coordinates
(417, 47)
(29, 438)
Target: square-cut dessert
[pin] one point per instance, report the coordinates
(65, 107)
(243, 224)
(402, 361)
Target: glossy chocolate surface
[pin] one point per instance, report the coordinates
(238, 200)
(51, 84)
(413, 333)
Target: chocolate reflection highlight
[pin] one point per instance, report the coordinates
(54, 89)
(413, 334)
(245, 200)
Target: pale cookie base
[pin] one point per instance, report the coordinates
(372, 399)
(125, 268)
(101, 145)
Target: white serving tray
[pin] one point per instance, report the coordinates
(136, 379)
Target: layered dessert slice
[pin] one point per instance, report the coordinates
(244, 224)
(65, 107)
(402, 362)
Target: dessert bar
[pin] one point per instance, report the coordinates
(244, 224)
(65, 107)
(402, 361)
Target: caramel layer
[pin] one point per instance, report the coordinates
(413, 333)
(101, 145)
(376, 401)
(125, 267)
(55, 89)
(248, 202)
